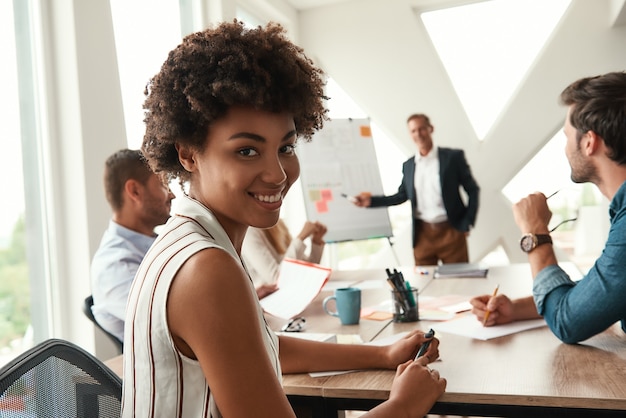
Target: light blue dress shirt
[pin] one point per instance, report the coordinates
(113, 269)
(576, 311)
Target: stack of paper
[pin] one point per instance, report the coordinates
(461, 270)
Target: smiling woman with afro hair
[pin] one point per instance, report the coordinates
(224, 115)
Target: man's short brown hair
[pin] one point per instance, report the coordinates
(120, 167)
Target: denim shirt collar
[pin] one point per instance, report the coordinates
(618, 203)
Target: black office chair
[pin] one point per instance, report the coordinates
(87, 311)
(59, 379)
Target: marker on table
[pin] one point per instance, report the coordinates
(430, 334)
(495, 292)
(350, 198)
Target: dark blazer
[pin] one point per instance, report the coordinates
(454, 172)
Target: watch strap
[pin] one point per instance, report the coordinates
(543, 239)
(534, 240)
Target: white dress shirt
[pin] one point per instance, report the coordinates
(428, 188)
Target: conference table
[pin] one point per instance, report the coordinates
(529, 373)
(518, 375)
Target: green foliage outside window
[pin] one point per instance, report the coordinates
(14, 287)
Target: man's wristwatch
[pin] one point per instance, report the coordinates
(531, 241)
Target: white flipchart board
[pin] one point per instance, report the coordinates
(341, 158)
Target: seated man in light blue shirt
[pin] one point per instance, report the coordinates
(140, 201)
(595, 128)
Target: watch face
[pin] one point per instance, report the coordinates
(527, 243)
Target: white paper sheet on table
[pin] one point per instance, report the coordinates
(298, 284)
(383, 341)
(469, 326)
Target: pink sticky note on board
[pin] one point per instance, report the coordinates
(321, 206)
(327, 194)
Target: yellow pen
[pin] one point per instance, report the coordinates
(495, 292)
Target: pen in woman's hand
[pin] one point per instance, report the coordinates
(430, 334)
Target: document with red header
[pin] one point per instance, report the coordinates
(299, 282)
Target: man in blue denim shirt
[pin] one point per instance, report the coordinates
(595, 128)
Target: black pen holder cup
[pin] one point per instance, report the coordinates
(405, 306)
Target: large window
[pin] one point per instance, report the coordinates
(14, 280)
(25, 316)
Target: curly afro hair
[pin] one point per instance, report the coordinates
(215, 69)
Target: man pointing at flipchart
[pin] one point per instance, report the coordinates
(432, 178)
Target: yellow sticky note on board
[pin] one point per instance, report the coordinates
(366, 131)
(315, 195)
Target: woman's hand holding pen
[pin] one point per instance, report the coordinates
(414, 380)
(406, 347)
(499, 308)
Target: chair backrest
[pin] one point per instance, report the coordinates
(59, 379)
(89, 314)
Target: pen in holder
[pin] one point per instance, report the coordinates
(403, 296)
(405, 305)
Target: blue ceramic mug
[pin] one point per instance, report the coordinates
(348, 305)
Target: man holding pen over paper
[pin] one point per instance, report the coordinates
(595, 127)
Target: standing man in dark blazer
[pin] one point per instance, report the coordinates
(432, 178)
